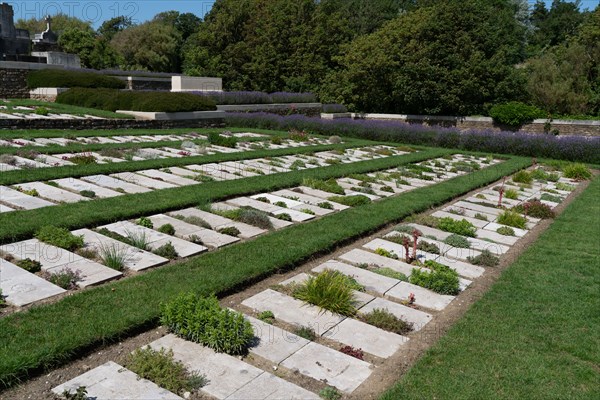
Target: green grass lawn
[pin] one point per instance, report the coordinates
(46, 336)
(56, 108)
(536, 333)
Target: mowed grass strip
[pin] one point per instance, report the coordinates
(18, 225)
(46, 336)
(536, 333)
(76, 171)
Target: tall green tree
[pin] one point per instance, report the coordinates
(60, 22)
(111, 27)
(94, 51)
(555, 25)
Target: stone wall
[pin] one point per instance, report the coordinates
(13, 83)
(308, 109)
(108, 124)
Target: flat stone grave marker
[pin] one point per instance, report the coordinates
(371, 281)
(494, 226)
(496, 237)
(53, 193)
(423, 297)
(185, 231)
(21, 200)
(360, 298)
(418, 318)
(79, 185)
(141, 180)
(115, 184)
(166, 177)
(310, 199)
(476, 222)
(217, 222)
(358, 256)
(273, 343)
(135, 259)
(111, 381)
(22, 288)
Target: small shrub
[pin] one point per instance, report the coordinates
(506, 231)
(194, 221)
(330, 393)
(564, 187)
(167, 250)
(549, 197)
(60, 237)
(70, 79)
(455, 240)
(390, 273)
(512, 194)
(80, 393)
(305, 332)
(486, 259)
(263, 199)
(386, 253)
(387, 321)
(267, 316)
(540, 174)
(281, 204)
(230, 230)
(113, 256)
(298, 136)
(352, 352)
(388, 189)
(428, 247)
(335, 140)
(333, 108)
(512, 218)
(284, 217)
(145, 222)
(66, 278)
(83, 159)
(167, 229)
(351, 201)
(42, 111)
(161, 368)
(202, 320)
(441, 279)
(329, 290)
(88, 193)
(326, 205)
(481, 217)
(30, 265)
(522, 177)
(462, 227)
(535, 209)
(329, 185)
(577, 171)
(223, 141)
(307, 211)
(515, 113)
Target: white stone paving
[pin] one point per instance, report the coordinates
(217, 222)
(185, 231)
(115, 184)
(141, 180)
(22, 288)
(423, 297)
(79, 185)
(53, 193)
(21, 200)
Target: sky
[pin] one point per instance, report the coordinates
(98, 11)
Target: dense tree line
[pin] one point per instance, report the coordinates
(403, 56)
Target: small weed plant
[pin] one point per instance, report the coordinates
(485, 259)
(383, 319)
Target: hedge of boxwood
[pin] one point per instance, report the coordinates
(113, 100)
(68, 79)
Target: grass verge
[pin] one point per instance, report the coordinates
(46, 336)
(534, 335)
(22, 224)
(56, 108)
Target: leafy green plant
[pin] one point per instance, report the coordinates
(307, 211)
(284, 217)
(455, 240)
(276, 140)
(263, 199)
(329, 290)
(522, 177)
(536, 209)
(541, 174)
(113, 256)
(249, 216)
(565, 187)
(330, 393)
(515, 113)
(202, 320)
(30, 265)
(329, 185)
(512, 218)
(462, 227)
(66, 278)
(230, 230)
(80, 393)
(60, 237)
(351, 201)
(390, 273)
(161, 368)
(167, 229)
(441, 279)
(486, 259)
(267, 316)
(145, 222)
(386, 253)
(167, 250)
(353, 352)
(481, 217)
(383, 319)
(549, 197)
(577, 171)
(88, 193)
(506, 231)
(512, 194)
(305, 332)
(428, 247)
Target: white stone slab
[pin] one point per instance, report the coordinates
(337, 369)
(225, 374)
(259, 205)
(494, 226)
(111, 381)
(360, 298)
(271, 387)
(293, 311)
(4, 208)
(79, 185)
(476, 222)
(361, 335)
(185, 231)
(135, 259)
(156, 239)
(22, 288)
(53, 193)
(21, 200)
(478, 207)
(371, 281)
(418, 318)
(358, 256)
(274, 199)
(166, 177)
(273, 343)
(469, 213)
(92, 273)
(496, 237)
(49, 256)
(141, 180)
(217, 222)
(423, 297)
(115, 184)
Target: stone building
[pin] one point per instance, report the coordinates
(12, 41)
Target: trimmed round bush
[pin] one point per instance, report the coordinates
(202, 320)
(515, 113)
(113, 100)
(70, 79)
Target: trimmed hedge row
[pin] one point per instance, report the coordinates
(69, 79)
(113, 100)
(572, 148)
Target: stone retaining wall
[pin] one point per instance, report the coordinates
(13, 83)
(80, 124)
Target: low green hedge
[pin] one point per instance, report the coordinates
(69, 79)
(113, 100)
(515, 113)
